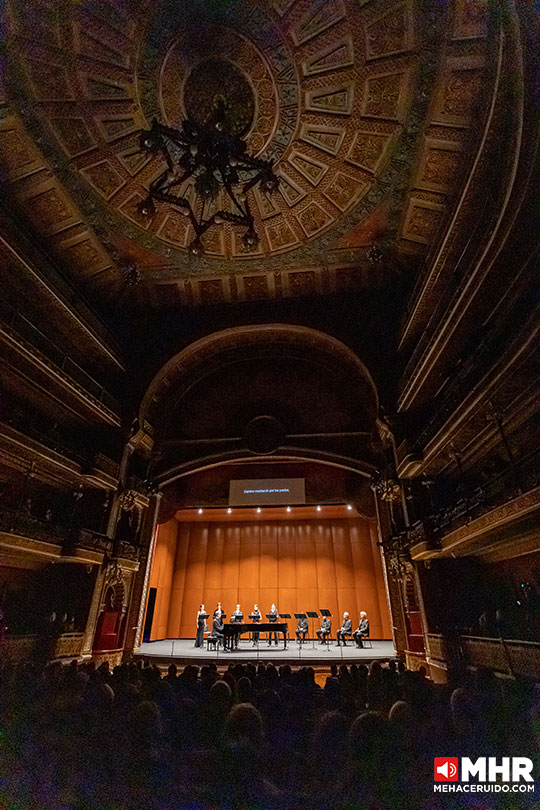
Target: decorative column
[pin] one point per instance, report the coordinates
(93, 613)
(139, 591)
(117, 498)
(104, 571)
(393, 590)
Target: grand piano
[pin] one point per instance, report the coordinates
(233, 630)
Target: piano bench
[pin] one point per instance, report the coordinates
(212, 642)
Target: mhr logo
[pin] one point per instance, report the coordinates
(446, 769)
(485, 769)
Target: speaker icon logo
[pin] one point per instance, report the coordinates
(446, 769)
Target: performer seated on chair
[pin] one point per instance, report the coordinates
(272, 616)
(302, 628)
(344, 630)
(255, 618)
(217, 628)
(362, 630)
(324, 630)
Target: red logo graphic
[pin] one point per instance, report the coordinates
(446, 769)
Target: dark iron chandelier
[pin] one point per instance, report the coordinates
(216, 159)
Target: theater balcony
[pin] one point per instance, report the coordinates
(29, 354)
(497, 517)
(46, 538)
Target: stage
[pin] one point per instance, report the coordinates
(182, 651)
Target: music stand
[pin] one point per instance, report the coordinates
(234, 640)
(285, 616)
(312, 614)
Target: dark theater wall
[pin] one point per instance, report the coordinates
(299, 565)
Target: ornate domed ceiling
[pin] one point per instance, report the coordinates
(365, 108)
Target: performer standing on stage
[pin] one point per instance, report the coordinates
(362, 630)
(236, 618)
(218, 610)
(272, 616)
(201, 625)
(325, 629)
(255, 618)
(302, 628)
(345, 630)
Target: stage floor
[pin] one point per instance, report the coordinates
(183, 651)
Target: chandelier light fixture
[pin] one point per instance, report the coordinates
(217, 159)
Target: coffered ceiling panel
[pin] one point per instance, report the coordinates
(362, 108)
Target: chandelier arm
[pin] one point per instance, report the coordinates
(255, 163)
(232, 195)
(175, 135)
(234, 219)
(250, 183)
(249, 215)
(157, 188)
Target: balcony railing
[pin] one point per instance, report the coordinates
(509, 656)
(23, 327)
(122, 548)
(21, 522)
(17, 649)
(41, 430)
(95, 541)
(477, 500)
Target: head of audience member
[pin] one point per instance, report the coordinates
(220, 695)
(244, 689)
(463, 713)
(244, 723)
(330, 737)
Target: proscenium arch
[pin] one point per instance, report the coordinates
(362, 469)
(175, 374)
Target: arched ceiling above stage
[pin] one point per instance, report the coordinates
(275, 390)
(366, 107)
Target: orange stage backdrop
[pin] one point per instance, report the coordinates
(299, 565)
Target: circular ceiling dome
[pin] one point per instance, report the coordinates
(218, 80)
(264, 434)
